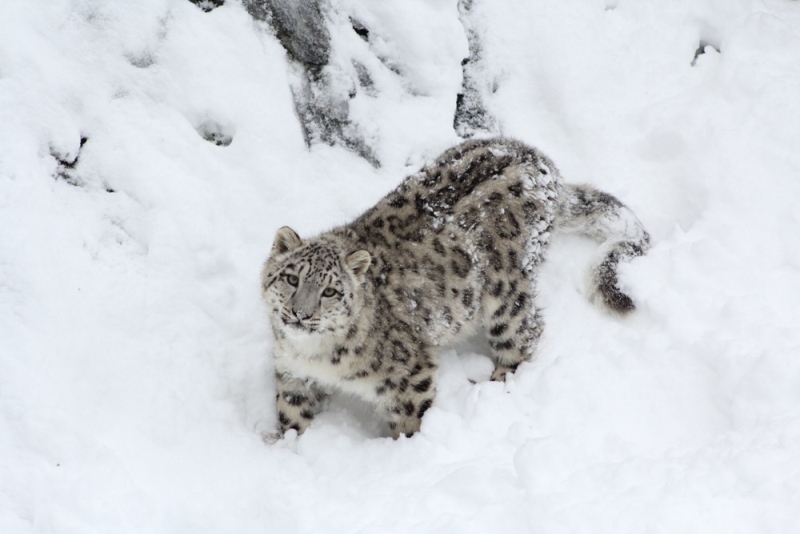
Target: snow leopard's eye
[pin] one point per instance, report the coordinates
(328, 292)
(292, 280)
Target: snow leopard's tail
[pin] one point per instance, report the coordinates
(601, 216)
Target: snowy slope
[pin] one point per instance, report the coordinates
(135, 367)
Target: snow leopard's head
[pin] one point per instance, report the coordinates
(315, 286)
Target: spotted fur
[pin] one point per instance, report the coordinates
(455, 248)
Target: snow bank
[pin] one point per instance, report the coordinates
(149, 150)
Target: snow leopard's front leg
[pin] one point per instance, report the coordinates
(409, 397)
(297, 401)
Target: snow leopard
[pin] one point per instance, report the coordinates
(453, 250)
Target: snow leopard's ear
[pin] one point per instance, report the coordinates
(286, 240)
(358, 261)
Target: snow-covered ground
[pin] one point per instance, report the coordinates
(135, 366)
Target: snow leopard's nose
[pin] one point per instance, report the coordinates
(301, 314)
(304, 302)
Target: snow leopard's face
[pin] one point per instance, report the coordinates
(313, 287)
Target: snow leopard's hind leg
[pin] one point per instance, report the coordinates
(511, 318)
(513, 324)
(512, 239)
(298, 403)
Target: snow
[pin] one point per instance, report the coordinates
(135, 366)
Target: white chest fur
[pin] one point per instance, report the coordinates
(310, 357)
